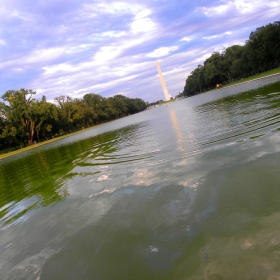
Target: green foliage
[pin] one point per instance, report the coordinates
(260, 53)
(24, 120)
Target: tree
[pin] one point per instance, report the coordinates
(211, 75)
(19, 111)
(98, 105)
(69, 112)
(260, 53)
(24, 119)
(44, 114)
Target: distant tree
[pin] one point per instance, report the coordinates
(260, 53)
(24, 119)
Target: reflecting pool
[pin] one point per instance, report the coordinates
(190, 190)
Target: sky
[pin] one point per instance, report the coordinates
(75, 47)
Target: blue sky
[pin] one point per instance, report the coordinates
(74, 47)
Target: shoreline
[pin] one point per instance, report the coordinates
(34, 146)
(245, 82)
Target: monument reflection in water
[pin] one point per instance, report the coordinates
(188, 191)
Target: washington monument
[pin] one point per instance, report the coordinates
(166, 94)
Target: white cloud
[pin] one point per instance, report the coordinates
(35, 58)
(217, 36)
(126, 69)
(102, 60)
(210, 37)
(119, 7)
(143, 14)
(113, 34)
(2, 42)
(247, 6)
(242, 7)
(62, 67)
(105, 86)
(45, 54)
(187, 39)
(107, 53)
(19, 15)
(142, 23)
(163, 51)
(216, 11)
(274, 4)
(79, 48)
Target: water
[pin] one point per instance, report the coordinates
(185, 191)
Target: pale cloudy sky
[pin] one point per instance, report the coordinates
(74, 47)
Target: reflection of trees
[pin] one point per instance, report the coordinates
(41, 175)
(26, 178)
(239, 114)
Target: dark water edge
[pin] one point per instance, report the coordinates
(187, 191)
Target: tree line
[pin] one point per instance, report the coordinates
(260, 53)
(24, 120)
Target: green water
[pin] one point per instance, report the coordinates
(185, 191)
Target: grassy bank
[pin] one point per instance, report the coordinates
(41, 144)
(257, 76)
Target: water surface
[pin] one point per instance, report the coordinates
(190, 190)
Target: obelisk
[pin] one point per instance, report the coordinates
(166, 94)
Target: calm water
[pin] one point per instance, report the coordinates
(187, 191)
